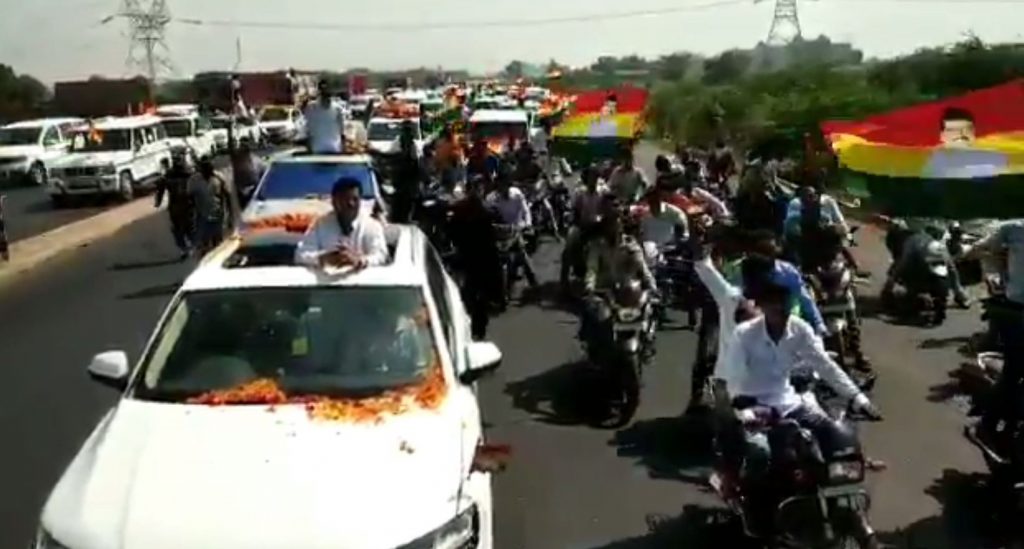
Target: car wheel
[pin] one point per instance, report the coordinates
(59, 201)
(37, 174)
(126, 187)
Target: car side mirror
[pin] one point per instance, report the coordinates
(110, 369)
(484, 359)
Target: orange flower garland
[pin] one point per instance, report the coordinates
(291, 222)
(428, 394)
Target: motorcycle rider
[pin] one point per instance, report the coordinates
(781, 272)
(476, 249)
(684, 194)
(759, 204)
(910, 250)
(1007, 316)
(721, 164)
(807, 213)
(759, 361)
(513, 209)
(613, 257)
(586, 214)
(408, 176)
(627, 181)
(482, 162)
(661, 224)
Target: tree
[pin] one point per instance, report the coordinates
(515, 69)
(20, 95)
(727, 67)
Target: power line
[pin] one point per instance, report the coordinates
(426, 26)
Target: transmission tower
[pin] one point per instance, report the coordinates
(785, 23)
(147, 26)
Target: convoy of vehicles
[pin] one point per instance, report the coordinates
(115, 157)
(188, 133)
(29, 148)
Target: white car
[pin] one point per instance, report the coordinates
(114, 156)
(28, 149)
(246, 130)
(276, 406)
(383, 133)
(498, 126)
(301, 185)
(188, 133)
(282, 124)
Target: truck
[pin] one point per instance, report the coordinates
(96, 97)
(213, 89)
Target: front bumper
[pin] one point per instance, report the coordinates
(14, 171)
(83, 185)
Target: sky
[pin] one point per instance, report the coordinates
(63, 39)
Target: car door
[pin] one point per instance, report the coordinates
(53, 146)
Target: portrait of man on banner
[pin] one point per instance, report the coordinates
(958, 156)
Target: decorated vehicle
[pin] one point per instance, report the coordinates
(113, 156)
(499, 127)
(188, 133)
(383, 134)
(29, 148)
(296, 189)
(280, 406)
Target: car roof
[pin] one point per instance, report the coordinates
(219, 271)
(41, 122)
(499, 115)
(126, 122)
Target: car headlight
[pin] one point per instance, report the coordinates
(846, 471)
(458, 533)
(108, 170)
(46, 541)
(629, 314)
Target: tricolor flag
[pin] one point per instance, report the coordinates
(961, 157)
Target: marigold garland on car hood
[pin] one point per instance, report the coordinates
(428, 394)
(291, 222)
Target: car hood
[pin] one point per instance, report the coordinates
(14, 151)
(263, 209)
(166, 476)
(90, 159)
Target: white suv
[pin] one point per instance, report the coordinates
(188, 133)
(28, 149)
(113, 156)
(279, 406)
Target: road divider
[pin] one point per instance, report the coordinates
(27, 254)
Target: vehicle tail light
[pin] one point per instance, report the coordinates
(491, 458)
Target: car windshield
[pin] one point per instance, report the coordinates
(309, 341)
(102, 140)
(288, 180)
(177, 128)
(274, 115)
(384, 131)
(493, 130)
(19, 136)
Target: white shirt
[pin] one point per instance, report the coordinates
(325, 235)
(587, 205)
(758, 367)
(659, 227)
(628, 185)
(325, 126)
(965, 163)
(513, 210)
(716, 207)
(728, 298)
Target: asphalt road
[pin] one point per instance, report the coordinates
(569, 485)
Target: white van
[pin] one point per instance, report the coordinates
(113, 156)
(29, 148)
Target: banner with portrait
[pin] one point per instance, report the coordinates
(961, 157)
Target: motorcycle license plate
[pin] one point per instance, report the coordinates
(835, 308)
(628, 326)
(715, 481)
(940, 270)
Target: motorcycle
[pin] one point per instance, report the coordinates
(927, 282)
(805, 500)
(832, 284)
(433, 214)
(542, 211)
(510, 244)
(623, 346)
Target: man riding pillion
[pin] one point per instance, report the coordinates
(612, 258)
(661, 225)
(759, 361)
(586, 214)
(628, 182)
(811, 210)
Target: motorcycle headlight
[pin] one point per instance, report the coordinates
(846, 471)
(629, 314)
(458, 533)
(46, 541)
(108, 170)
